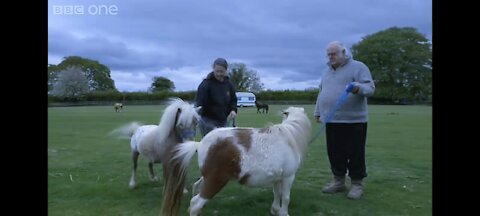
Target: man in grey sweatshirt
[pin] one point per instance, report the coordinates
(346, 132)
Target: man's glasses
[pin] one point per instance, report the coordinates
(332, 54)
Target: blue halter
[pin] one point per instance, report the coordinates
(187, 134)
(341, 100)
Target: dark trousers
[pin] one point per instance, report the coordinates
(207, 124)
(346, 149)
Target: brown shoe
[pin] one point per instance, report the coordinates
(356, 190)
(337, 185)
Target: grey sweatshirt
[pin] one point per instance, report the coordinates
(332, 86)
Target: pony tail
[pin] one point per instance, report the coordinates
(172, 189)
(126, 131)
(174, 177)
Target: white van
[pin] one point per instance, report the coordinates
(245, 99)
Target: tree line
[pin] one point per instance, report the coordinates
(400, 60)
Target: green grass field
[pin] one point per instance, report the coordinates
(88, 173)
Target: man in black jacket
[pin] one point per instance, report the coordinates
(216, 97)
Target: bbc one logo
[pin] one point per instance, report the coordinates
(85, 10)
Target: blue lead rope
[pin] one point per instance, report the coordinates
(341, 100)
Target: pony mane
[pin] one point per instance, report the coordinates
(296, 127)
(168, 118)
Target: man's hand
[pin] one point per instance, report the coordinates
(352, 87)
(355, 90)
(232, 115)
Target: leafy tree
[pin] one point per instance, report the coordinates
(52, 75)
(98, 75)
(161, 83)
(244, 79)
(71, 83)
(400, 60)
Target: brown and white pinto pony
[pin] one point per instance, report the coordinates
(155, 142)
(255, 157)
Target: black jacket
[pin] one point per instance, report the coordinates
(216, 98)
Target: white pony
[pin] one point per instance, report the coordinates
(155, 142)
(268, 156)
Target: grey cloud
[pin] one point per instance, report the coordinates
(280, 38)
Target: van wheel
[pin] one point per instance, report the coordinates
(241, 105)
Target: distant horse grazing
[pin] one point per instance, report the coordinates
(118, 107)
(155, 142)
(261, 106)
(255, 157)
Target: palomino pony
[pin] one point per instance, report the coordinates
(254, 157)
(118, 107)
(261, 106)
(156, 142)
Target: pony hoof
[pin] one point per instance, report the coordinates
(131, 185)
(273, 212)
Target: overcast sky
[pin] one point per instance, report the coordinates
(283, 40)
